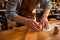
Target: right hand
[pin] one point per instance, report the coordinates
(33, 24)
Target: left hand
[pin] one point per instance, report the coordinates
(43, 23)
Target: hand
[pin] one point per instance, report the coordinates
(43, 23)
(33, 24)
(28, 22)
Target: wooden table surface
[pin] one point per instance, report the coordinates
(25, 33)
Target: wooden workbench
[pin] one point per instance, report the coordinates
(25, 33)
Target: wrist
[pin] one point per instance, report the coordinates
(44, 16)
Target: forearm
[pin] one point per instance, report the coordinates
(46, 6)
(20, 19)
(46, 12)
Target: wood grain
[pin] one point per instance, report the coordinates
(25, 33)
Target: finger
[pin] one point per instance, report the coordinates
(34, 27)
(35, 23)
(40, 23)
(42, 26)
(46, 25)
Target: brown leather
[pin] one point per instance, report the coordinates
(27, 8)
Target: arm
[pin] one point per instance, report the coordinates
(47, 6)
(11, 9)
(11, 12)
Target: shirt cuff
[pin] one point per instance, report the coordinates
(48, 5)
(10, 15)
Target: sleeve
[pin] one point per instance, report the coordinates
(11, 8)
(46, 4)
